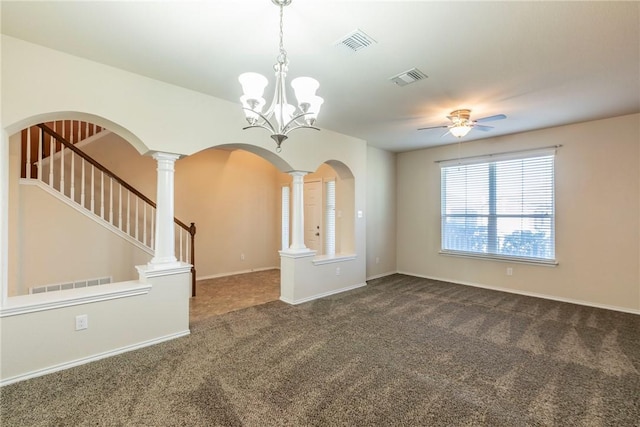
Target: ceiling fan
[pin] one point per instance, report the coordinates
(461, 123)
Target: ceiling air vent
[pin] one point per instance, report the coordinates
(355, 41)
(408, 77)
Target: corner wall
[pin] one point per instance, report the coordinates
(597, 216)
(381, 206)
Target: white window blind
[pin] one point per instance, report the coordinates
(500, 208)
(330, 219)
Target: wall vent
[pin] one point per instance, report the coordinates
(408, 77)
(69, 285)
(355, 41)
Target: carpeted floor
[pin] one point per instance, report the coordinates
(402, 351)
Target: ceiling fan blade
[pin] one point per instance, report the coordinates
(434, 127)
(445, 134)
(491, 118)
(483, 128)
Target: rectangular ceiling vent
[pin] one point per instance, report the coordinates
(408, 77)
(355, 41)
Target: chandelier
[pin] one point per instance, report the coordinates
(281, 117)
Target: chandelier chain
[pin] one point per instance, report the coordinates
(283, 53)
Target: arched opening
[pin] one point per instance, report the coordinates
(72, 221)
(329, 210)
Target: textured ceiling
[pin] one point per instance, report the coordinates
(542, 64)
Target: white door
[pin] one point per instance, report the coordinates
(313, 215)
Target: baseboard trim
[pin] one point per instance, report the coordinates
(322, 295)
(84, 360)
(378, 276)
(528, 294)
(233, 273)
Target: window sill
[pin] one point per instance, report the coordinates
(23, 304)
(324, 259)
(530, 261)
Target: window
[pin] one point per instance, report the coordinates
(502, 207)
(330, 218)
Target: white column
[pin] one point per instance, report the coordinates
(165, 254)
(285, 217)
(297, 221)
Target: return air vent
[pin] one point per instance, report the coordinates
(355, 41)
(70, 285)
(408, 77)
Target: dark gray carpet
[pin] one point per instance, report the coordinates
(402, 351)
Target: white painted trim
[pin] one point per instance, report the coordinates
(530, 294)
(378, 276)
(159, 270)
(23, 304)
(215, 276)
(322, 295)
(84, 360)
(87, 213)
(324, 259)
(292, 253)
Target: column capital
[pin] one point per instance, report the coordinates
(297, 173)
(158, 155)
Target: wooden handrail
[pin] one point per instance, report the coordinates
(190, 229)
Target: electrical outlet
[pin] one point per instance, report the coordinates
(377, 260)
(241, 257)
(509, 271)
(337, 271)
(82, 322)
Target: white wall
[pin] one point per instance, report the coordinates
(381, 208)
(597, 215)
(39, 342)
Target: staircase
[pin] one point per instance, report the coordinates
(51, 158)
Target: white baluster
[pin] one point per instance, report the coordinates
(137, 217)
(144, 223)
(40, 148)
(110, 200)
(82, 185)
(120, 207)
(73, 177)
(93, 192)
(62, 169)
(153, 232)
(180, 242)
(28, 165)
(86, 130)
(129, 212)
(79, 137)
(51, 163)
(102, 194)
(188, 248)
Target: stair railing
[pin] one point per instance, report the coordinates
(121, 205)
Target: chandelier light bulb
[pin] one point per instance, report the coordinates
(253, 85)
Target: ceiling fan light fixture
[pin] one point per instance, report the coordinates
(460, 130)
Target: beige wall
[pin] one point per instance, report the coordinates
(597, 215)
(58, 244)
(381, 212)
(232, 197)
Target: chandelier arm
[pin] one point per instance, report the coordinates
(300, 127)
(256, 126)
(270, 126)
(293, 121)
